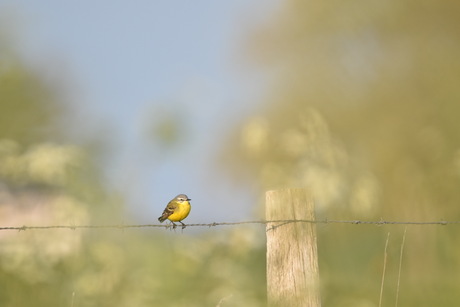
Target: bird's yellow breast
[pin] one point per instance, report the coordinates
(181, 212)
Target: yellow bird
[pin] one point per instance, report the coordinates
(176, 210)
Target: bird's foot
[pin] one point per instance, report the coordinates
(171, 226)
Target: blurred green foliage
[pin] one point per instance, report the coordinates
(27, 104)
(363, 109)
(165, 128)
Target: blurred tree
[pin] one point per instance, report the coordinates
(165, 128)
(41, 183)
(363, 109)
(28, 108)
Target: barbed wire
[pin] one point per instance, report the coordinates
(214, 224)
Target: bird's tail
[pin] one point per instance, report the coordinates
(162, 218)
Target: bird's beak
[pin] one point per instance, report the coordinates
(189, 199)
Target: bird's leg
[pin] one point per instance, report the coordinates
(183, 225)
(174, 225)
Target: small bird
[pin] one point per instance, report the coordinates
(176, 210)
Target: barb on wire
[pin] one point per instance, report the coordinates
(214, 224)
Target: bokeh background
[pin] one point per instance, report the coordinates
(109, 109)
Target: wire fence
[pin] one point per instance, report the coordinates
(214, 224)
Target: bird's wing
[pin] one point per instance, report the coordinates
(168, 210)
(172, 205)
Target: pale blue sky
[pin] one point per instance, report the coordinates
(122, 61)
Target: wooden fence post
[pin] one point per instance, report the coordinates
(292, 258)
